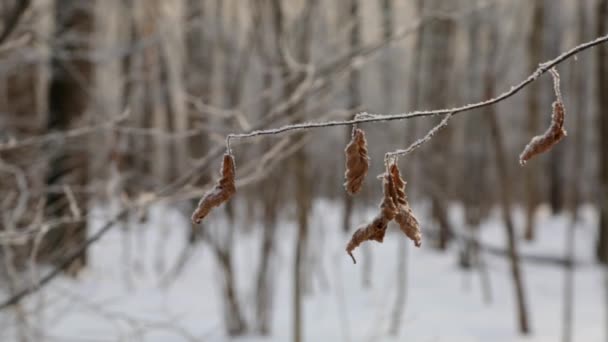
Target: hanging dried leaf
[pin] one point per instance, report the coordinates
(373, 231)
(377, 228)
(357, 162)
(409, 225)
(551, 137)
(399, 185)
(221, 193)
(405, 217)
(388, 204)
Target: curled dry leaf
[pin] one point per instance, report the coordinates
(388, 204)
(377, 228)
(409, 225)
(405, 217)
(373, 231)
(551, 137)
(221, 193)
(357, 162)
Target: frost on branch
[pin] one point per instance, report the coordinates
(377, 228)
(551, 137)
(405, 217)
(357, 162)
(221, 193)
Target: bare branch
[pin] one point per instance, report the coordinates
(543, 68)
(416, 144)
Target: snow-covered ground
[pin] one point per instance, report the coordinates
(120, 297)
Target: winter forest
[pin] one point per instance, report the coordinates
(303, 170)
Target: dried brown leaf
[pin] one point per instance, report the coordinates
(221, 193)
(357, 162)
(388, 204)
(408, 223)
(377, 228)
(373, 231)
(551, 137)
(399, 184)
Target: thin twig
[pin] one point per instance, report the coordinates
(556, 84)
(416, 144)
(543, 68)
(64, 135)
(13, 20)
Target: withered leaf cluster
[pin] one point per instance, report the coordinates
(394, 206)
(223, 190)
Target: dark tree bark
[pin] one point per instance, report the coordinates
(578, 165)
(68, 102)
(24, 104)
(522, 312)
(502, 175)
(354, 97)
(234, 71)
(235, 321)
(437, 48)
(534, 48)
(387, 9)
(271, 196)
(303, 195)
(554, 23)
(474, 172)
(602, 104)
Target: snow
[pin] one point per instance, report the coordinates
(120, 296)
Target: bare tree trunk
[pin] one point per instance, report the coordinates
(69, 94)
(502, 175)
(602, 104)
(24, 105)
(578, 163)
(303, 203)
(264, 288)
(354, 98)
(505, 198)
(174, 58)
(534, 48)
(302, 187)
(235, 322)
(400, 298)
(437, 46)
(387, 9)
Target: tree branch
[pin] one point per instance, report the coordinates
(366, 117)
(13, 20)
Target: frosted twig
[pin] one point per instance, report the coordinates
(72, 201)
(556, 84)
(366, 117)
(13, 19)
(74, 133)
(23, 187)
(416, 144)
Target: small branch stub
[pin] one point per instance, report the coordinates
(357, 162)
(221, 193)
